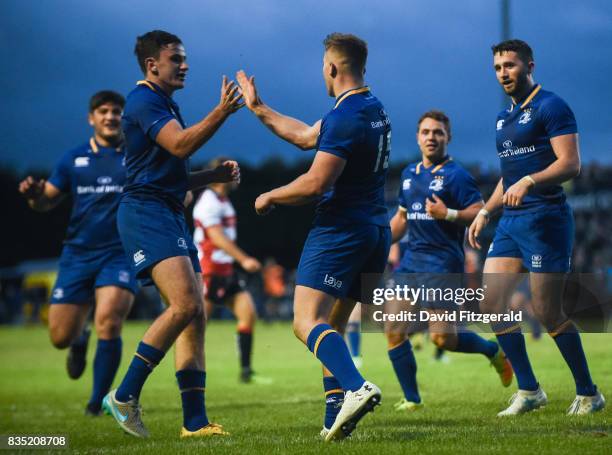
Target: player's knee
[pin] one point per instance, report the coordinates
(444, 341)
(60, 339)
(188, 310)
(109, 326)
(394, 338)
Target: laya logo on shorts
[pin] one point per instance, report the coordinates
(124, 276)
(58, 293)
(536, 261)
(81, 161)
(139, 257)
(331, 281)
(181, 243)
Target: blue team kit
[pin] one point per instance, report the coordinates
(541, 230)
(150, 217)
(350, 234)
(92, 255)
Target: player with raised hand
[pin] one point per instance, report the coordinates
(215, 233)
(93, 268)
(154, 232)
(437, 200)
(351, 234)
(537, 143)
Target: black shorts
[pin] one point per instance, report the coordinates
(218, 288)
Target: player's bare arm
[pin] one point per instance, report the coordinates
(399, 225)
(492, 206)
(288, 128)
(323, 173)
(439, 211)
(564, 168)
(220, 240)
(228, 171)
(185, 142)
(41, 195)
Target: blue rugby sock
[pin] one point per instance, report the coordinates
(334, 396)
(470, 342)
(329, 347)
(146, 358)
(106, 363)
(571, 348)
(192, 384)
(513, 345)
(404, 364)
(353, 337)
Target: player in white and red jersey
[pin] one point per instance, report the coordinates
(215, 237)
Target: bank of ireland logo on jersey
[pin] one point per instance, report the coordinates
(406, 184)
(181, 243)
(536, 261)
(417, 206)
(525, 117)
(139, 257)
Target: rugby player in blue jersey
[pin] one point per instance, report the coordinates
(154, 233)
(537, 143)
(93, 267)
(351, 234)
(437, 200)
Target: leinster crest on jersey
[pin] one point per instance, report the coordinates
(525, 117)
(437, 183)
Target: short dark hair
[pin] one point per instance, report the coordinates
(103, 97)
(149, 45)
(440, 117)
(515, 45)
(352, 47)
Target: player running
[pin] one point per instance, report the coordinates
(154, 233)
(437, 200)
(351, 232)
(537, 143)
(215, 237)
(93, 267)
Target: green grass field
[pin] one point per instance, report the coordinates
(461, 398)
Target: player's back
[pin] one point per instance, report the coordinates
(152, 171)
(358, 130)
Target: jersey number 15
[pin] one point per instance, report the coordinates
(384, 149)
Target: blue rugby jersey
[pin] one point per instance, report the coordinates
(432, 241)
(152, 171)
(359, 130)
(523, 144)
(95, 176)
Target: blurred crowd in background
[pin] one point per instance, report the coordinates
(26, 279)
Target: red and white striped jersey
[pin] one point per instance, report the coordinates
(213, 210)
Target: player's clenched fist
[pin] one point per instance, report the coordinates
(226, 172)
(250, 264)
(263, 204)
(231, 98)
(32, 189)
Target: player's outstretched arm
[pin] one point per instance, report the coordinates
(564, 168)
(40, 194)
(323, 173)
(484, 215)
(288, 128)
(185, 142)
(226, 172)
(399, 225)
(220, 240)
